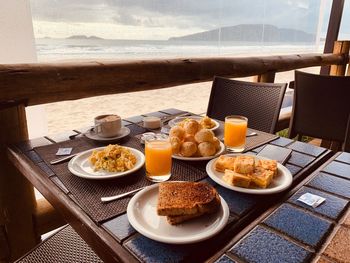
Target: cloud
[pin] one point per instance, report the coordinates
(185, 14)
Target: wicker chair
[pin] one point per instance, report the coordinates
(321, 107)
(63, 246)
(259, 102)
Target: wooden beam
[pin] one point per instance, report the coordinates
(340, 47)
(49, 82)
(266, 78)
(333, 29)
(46, 218)
(17, 199)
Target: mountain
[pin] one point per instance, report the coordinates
(250, 33)
(83, 37)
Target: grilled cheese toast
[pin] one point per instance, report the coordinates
(181, 201)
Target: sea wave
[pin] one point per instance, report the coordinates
(49, 49)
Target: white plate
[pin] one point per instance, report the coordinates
(81, 166)
(222, 149)
(142, 215)
(124, 131)
(279, 183)
(177, 120)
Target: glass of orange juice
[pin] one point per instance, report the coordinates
(235, 133)
(158, 158)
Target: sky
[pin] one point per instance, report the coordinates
(162, 19)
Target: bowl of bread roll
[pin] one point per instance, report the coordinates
(191, 141)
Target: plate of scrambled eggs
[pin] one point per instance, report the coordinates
(107, 162)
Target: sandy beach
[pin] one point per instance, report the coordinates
(67, 115)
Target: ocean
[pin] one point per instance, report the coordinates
(50, 49)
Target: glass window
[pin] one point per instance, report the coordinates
(69, 29)
(344, 32)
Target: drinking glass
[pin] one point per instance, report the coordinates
(235, 133)
(158, 158)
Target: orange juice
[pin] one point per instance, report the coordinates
(235, 133)
(158, 160)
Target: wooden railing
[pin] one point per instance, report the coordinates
(22, 219)
(47, 82)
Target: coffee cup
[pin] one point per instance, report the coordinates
(107, 125)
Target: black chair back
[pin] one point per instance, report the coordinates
(259, 102)
(321, 106)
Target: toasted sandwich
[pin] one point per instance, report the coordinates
(182, 201)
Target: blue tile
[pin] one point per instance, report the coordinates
(300, 159)
(46, 169)
(136, 129)
(119, 227)
(135, 119)
(238, 203)
(307, 148)
(331, 184)
(337, 168)
(225, 259)
(126, 123)
(147, 250)
(33, 156)
(298, 224)
(173, 111)
(332, 207)
(262, 245)
(258, 149)
(209, 181)
(251, 153)
(156, 114)
(282, 141)
(293, 168)
(59, 184)
(344, 157)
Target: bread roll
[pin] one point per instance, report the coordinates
(177, 131)
(216, 143)
(188, 149)
(206, 149)
(189, 138)
(204, 135)
(175, 144)
(191, 127)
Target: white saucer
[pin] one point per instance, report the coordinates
(142, 215)
(124, 131)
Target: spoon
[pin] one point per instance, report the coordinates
(251, 134)
(116, 197)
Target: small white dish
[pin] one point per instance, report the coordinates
(177, 120)
(81, 166)
(91, 134)
(279, 183)
(206, 158)
(142, 215)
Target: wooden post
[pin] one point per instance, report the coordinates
(340, 47)
(17, 198)
(266, 78)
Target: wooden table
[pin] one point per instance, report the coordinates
(116, 240)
